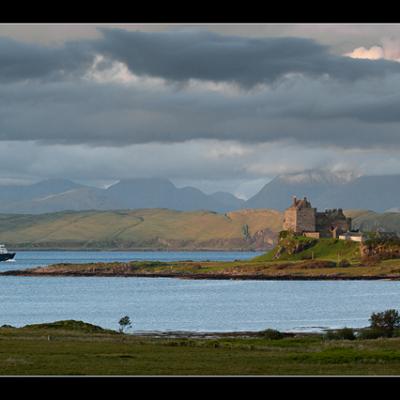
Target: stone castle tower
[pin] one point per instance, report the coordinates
(302, 218)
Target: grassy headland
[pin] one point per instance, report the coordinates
(294, 257)
(306, 269)
(321, 249)
(76, 348)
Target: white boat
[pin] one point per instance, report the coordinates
(5, 254)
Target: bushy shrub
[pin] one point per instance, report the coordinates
(340, 334)
(396, 333)
(283, 234)
(272, 334)
(343, 263)
(371, 333)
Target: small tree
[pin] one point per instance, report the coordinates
(386, 322)
(124, 323)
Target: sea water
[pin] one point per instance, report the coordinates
(160, 304)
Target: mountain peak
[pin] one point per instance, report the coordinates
(319, 176)
(142, 182)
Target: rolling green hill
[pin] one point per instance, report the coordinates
(142, 229)
(249, 229)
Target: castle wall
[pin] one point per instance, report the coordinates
(305, 220)
(299, 220)
(329, 219)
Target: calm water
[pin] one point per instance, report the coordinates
(174, 304)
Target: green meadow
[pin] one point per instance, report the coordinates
(77, 349)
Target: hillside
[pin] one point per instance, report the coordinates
(375, 248)
(255, 229)
(142, 229)
(302, 248)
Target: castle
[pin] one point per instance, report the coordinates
(301, 218)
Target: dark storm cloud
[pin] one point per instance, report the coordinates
(21, 61)
(183, 55)
(187, 54)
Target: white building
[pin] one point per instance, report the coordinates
(353, 236)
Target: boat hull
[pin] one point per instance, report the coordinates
(7, 256)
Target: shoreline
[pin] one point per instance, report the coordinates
(255, 277)
(145, 250)
(215, 335)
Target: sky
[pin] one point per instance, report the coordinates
(219, 107)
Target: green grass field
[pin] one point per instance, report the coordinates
(75, 351)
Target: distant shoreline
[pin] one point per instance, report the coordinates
(16, 249)
(209, 277)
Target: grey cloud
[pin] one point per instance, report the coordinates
(183, 55)
(314, 113)
(308, 110)
(21, 61)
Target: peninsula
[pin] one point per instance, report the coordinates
(314, 245)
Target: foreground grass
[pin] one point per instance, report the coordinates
(28, 351)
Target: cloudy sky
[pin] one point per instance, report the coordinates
(218, 107)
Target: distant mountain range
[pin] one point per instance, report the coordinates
(331, 190)
(61, 194)
(324, 189)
